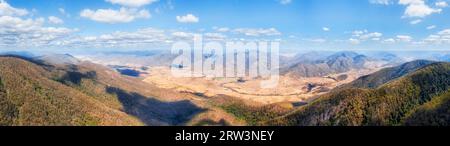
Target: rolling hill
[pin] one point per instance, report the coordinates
(38, 92)
(29, 97)
(418, 98)
(336, 63)
(376, 79)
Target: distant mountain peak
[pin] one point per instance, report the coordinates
(336, 63)
(59, 59)
(349, 54)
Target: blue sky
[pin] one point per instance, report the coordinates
(300, 25)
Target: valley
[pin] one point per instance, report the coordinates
(225, 63)
(289, 89)
(73, 91)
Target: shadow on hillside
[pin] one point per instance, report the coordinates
(76, 77)
(73, 75)
(155, 112)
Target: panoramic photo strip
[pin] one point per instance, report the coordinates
(225, 63)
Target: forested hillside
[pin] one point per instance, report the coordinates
(388, 74)
(419, 98)
(28, 96)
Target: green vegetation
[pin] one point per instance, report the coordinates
(128, 95)
(86, 81)
(39, 94)
(385, 75)
(388, 104)
(252, 114)
(29, 96)
(433, 113)
(27, 102)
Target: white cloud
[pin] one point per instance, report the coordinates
(215, 36)
(145, 38)
(417, 21)
(359, 36)
(142, 38)
(8, 10)
(382, 2)
(417, 8)
(354, 41)
(18, 32)
(123, 15)
(414, 8)
(188, 18)
(420, 11)
(285, 2)
(180, 34)
(358, 33)
(120, 39)
(132, 3)
(441, 4)
(257, 32)
(409, 2)
(444, 32)
(389, 41)
(431, 27)
(366, 35)
(371, 35)
(325, 29)
(55, 20)
(404, 38)
(376, 39)
(221, 29)
(442, 37)
(319, 40)
(15, 24)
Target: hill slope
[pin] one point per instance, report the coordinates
(335, 63)
(433, 113)
(29, 97)
(399, 102)
(152, 105)
(383, 76)
(39, 92)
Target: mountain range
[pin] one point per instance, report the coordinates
(420, 97)
(33, 92)
(385, 75)
(307, 66)
(59, 89)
